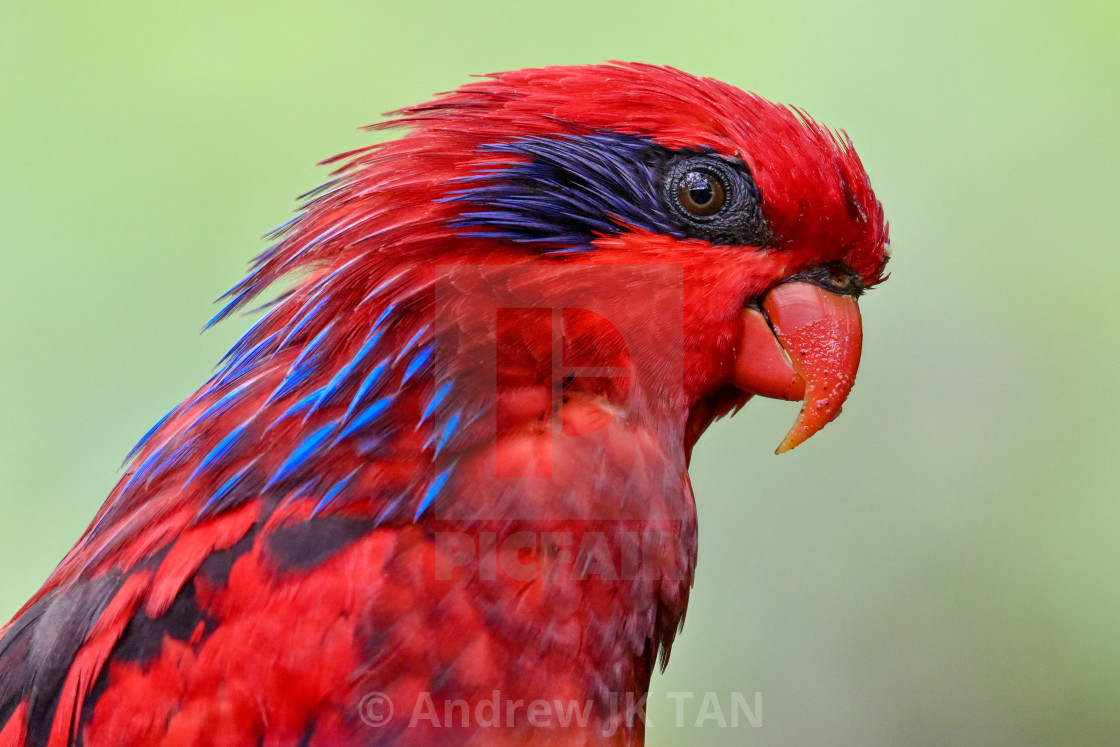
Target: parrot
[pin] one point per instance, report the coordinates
(438, 492)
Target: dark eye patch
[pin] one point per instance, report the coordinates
(560, 193)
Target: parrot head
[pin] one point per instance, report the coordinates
(768, 215)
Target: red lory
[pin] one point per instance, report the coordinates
(439, 492)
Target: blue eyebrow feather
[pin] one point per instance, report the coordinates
(564, 191)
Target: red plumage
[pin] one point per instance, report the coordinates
(451, 464)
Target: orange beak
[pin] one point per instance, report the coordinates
(802, 343)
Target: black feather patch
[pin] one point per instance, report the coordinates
(37, 651)
(143, 638)
(302, 546)
(218, 565)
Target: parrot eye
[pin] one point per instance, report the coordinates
(715, 199)
(700, 193)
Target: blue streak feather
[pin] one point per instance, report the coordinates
(226, 487)
(239, 365)
(219, 453)
(432, 491)
(147, 436)
(437, 398)
(372, 380)
(333, 493)
(366, 417)
(448, 431)
(305, 316)
(303, 403)
(419, 361)
(174, 459)
(408, 346)
(303, 365)
(302, 454)
(224, 402)
(338, 383)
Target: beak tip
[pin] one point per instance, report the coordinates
(793, 439)
(802, 343)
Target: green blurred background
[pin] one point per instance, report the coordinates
(940, 566)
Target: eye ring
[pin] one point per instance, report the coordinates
(701, 193)
(715, 199)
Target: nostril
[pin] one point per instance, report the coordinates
(836, 277)
(839, 280)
